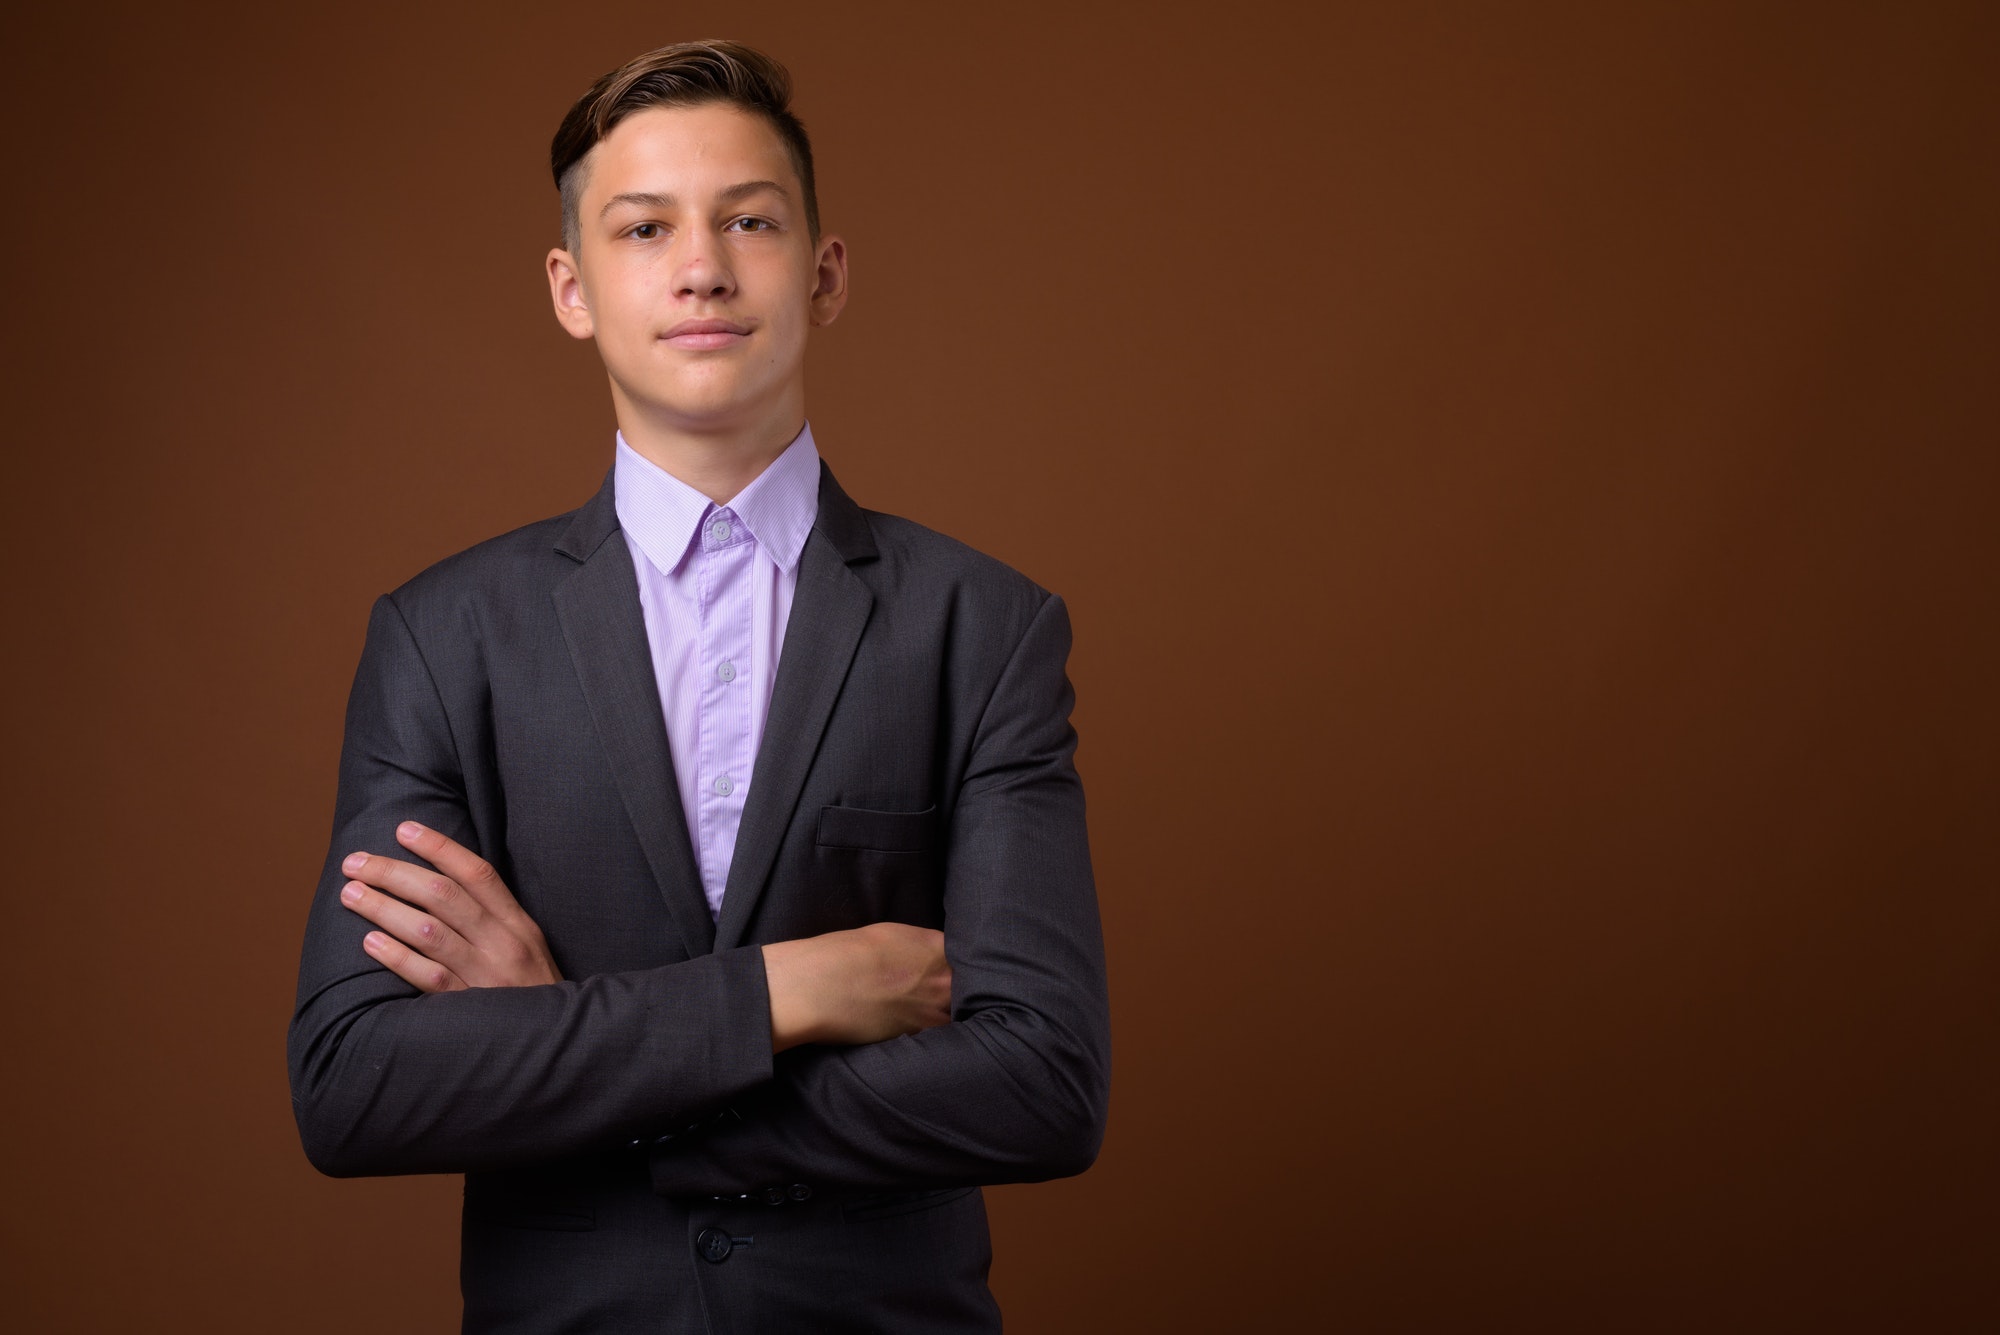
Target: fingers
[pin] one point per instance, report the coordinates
(407, 927)
(440, 895)
(461, 864)
(426, 975)
(474, 927)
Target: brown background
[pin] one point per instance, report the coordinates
(1525, 484)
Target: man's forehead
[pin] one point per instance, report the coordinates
(708, 140)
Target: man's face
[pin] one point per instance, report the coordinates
(694, 216)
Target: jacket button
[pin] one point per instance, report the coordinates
(801, 1192)
(774, 1195)
(713, 1244)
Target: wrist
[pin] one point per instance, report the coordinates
(794, 1018)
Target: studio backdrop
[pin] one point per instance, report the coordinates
(1522, 477)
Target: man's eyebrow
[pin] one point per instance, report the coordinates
(729, 194)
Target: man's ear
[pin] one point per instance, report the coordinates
(830, 281)
(566, 291)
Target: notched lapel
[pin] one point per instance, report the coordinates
(606, 633)
(830, 607)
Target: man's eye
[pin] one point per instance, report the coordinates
(646, 231)
(755, 224)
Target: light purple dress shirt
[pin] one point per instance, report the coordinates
(716, 585)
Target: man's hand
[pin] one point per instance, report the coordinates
(857, 986)
(444, 932)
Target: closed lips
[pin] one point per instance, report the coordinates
(706, 327)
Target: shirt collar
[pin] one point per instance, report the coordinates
(663, 514)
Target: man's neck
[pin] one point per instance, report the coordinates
(718, 464)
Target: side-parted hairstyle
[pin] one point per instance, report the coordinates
(686, 74)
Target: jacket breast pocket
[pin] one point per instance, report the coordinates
(879, 831)
(879, 866)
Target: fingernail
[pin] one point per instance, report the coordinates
(409, 829)
(375, 941)
(350, 893)
(355, 861)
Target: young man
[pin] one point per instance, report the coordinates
(650, 815)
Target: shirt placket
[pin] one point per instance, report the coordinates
(723, 712)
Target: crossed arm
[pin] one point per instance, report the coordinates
(460, 927)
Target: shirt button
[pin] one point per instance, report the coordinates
(723, 785)
(719, 531)
(727, 671)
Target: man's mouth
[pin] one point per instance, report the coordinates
(706, 335)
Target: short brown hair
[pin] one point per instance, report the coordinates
(685, 74)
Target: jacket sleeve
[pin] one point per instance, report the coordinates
(389, 1080)
(1015, 1088)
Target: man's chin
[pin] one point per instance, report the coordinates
(701, 412)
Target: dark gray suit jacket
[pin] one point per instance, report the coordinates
(916, 767)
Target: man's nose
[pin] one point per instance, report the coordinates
(704, 270)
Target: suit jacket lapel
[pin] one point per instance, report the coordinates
(606, 633)
(830, 607)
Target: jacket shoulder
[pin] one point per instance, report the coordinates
(927, 556)
(939, 579)
(493, 574)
